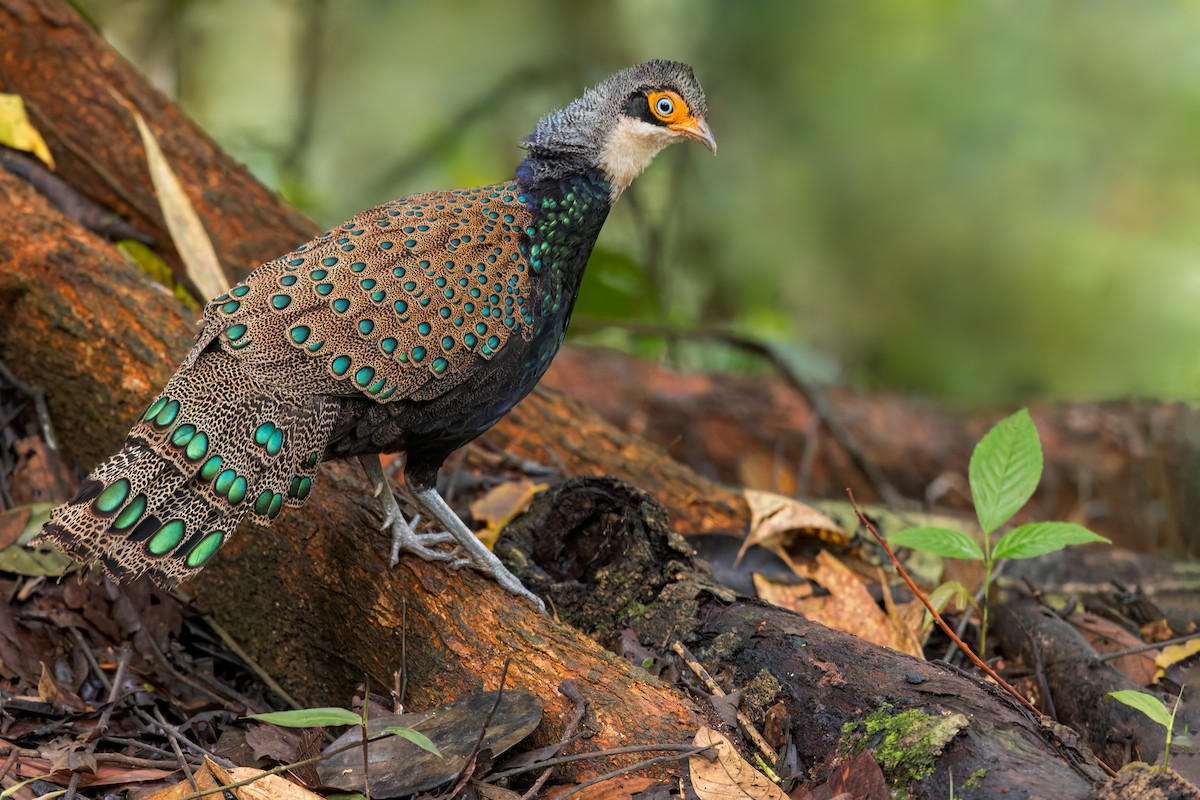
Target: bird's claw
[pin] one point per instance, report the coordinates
(406, 540)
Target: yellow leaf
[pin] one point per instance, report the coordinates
(187, 231)
(502, 504)
(18, 132)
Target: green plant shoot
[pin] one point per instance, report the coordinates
(1004, 473)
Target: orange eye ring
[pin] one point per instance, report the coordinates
(667, 107)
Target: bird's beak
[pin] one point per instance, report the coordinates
(696, 128)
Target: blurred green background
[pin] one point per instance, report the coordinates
(981, 201)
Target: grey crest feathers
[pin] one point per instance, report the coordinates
(572, 139)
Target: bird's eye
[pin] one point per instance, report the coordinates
(666, 106)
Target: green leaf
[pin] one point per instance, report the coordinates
(416, 737)
(1005, 469)
(939, 541)
(1148, 704)
(310, 717)
(1038, 538)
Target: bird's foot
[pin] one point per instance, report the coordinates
(478, 557)
(405, 539)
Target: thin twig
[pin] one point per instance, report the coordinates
(266, 678)
(571, 692)
(175, 737)
(487, 721)
(631, 768)
(616, 751)
(266, 773)
(941, 623)
(93, 736)
(744, 722)
(38, 396)
(1132, 651)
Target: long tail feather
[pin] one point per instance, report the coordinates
(217, 446)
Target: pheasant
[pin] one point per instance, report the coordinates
(411, 329)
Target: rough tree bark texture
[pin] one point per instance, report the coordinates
(312, 598)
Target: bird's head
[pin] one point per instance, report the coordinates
(621, 124)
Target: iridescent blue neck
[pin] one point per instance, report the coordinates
(567, 216)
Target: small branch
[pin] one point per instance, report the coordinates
(941, 623)
(744, 721)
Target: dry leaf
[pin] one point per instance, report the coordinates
(1106, 636)
(17, 132)
(848, 607)
(187, 232)
(489, 792)
(728, 776)
(777, 522)
(502, 504)
(269, 787)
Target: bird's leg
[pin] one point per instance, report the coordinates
(479, 557)
(404, 537)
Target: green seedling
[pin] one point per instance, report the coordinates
(1004, 472)
(1153, 708)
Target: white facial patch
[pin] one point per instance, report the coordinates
(630, 148)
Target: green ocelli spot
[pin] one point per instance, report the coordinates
(263, 502)
(275, 443)
(340, 365)
(210, 468)
(131, 513)
(231, 306)
(167, 414)
(182, 435)
(237, 492)
(197, 447)
(300, 334)
(112, 497)
(235, 332)
(440, 364)
(340, 305)
(224, 481)
(418, 353)
(207, 546)
(276, 506)
(263, 432)
(154, 408)
(364, 376)
(167, 538)
(300, 488)
(281, 301)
